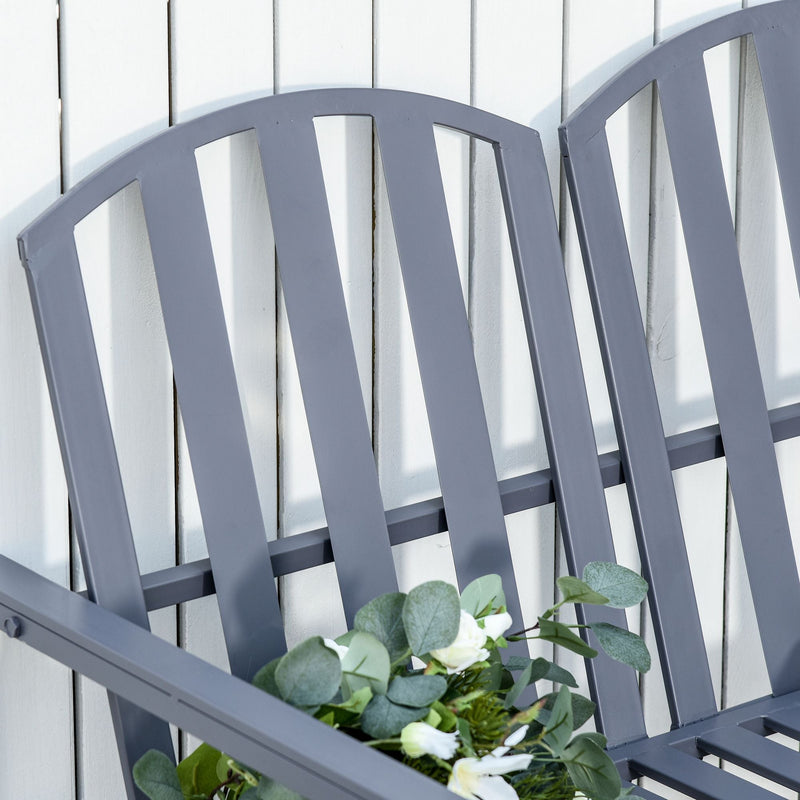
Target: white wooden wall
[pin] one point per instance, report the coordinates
(80, 84)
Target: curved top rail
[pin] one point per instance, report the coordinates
(591, 115)
(97, 187)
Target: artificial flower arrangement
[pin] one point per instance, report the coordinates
(421, 677)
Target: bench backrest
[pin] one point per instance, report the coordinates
(678, 70)
(166, 171)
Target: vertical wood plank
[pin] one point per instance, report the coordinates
(114, 92)
(596, 47)
(422, 47)
(523, 40)
(323, 43)
(36, 692)
(222, 53)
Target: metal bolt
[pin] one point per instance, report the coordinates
(13, 627)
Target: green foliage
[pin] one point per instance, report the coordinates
(623, 587)
(483, 596)
(417, 690)
(383, 618)
(309, 674)
(383, 719)
(468, 700)
(431, 616)
(156, 776)
(622, 645)
(197, 773)
(366, 664)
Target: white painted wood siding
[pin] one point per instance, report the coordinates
(78, 87)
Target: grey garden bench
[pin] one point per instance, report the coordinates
(151, 681)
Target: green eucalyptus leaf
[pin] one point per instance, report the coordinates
(265, 678)
(560, 724)
(597, 738)
(431, 616)
(516, 663)
(591, 770)
(582, 709)
(197, 772)
(309, 674)
(156, 776)
(383, 618)
(417, 690)
(383, 719)
(365, 664)
(560, 634)
(622, 645)
(575, 590)
(484, 594)
(623, 587)
(448, 718)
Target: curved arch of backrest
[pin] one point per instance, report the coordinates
(166, 171)
(677, 68)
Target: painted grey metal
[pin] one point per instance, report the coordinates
(103, 529)
(733, 365)
(212, 414)
(677, 67)
(562, 401)
(755, 753)
(297, 750)
(189, 581)
(747, 428)
(165, 169)
(689, 775)
(325, 356)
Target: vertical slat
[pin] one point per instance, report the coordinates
(436, 34)
(99, 510)
(444, 351)
(325, 43)
(212, 413)
(114, 92)
(565, 409)
(326, 361)
(779, 62)
(526, 39)
(733, 364)
(655, 511)
(35, 692)
(595, 47)
(204, 35)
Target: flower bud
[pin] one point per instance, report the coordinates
(419, 739)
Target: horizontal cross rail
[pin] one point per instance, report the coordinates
(416, 521)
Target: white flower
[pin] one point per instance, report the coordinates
(419, 739)
(496, 625)
(467, 649)
(339, 649)
(510, 741)
(479, 778)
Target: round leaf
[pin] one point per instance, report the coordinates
(417, 690)
(431, 616)
(622, 586)
(383, 719)
(309, 674)
(156, 776)
(265, 678)
(366, 664)
(383, 618)
(483, 595)
(622, 645)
